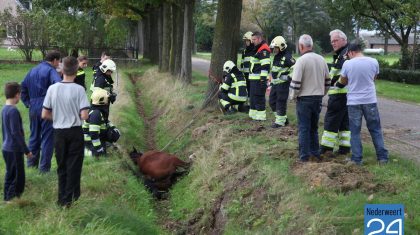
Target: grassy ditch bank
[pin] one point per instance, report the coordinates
(244, 179)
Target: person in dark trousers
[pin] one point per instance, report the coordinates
(247, 54)
(336, 121)
(310, 82)
(34, 88)
(260, 67)
(280, 80)
(66, 105)
(97, 129)
(14, 146)
(81, 75)
(233, 89)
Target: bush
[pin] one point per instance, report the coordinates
(403, 76)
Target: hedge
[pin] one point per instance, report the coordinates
(403, 76)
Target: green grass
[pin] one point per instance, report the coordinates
(113, 200)
(17, 55)
(398, 91)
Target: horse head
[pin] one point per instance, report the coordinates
(134, 155)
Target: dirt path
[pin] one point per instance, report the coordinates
(149, 122)
(400, 121)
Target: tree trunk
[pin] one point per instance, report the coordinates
(140, 32)
(225, 36)
(146, 37)
(166, 40)
(386, 44)
(154, 36)
(179, 37)
(186, 76)
(160, 35)
(173, 37)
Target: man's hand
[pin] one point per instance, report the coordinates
(29, 155)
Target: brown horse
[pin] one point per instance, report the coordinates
(159, 168)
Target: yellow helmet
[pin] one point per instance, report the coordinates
(279, 42)
(247, 36)
(100, 96)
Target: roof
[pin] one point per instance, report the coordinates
(377, 39)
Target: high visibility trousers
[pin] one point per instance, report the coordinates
(227, 102)
(257, 100)
(336, 125)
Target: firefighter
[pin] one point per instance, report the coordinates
(336, 122)
(260, 67)
(95, 68)
(233, 90)
(81, 75)
(280, 80)
(104, 79)
(97, 129)
(247, 54)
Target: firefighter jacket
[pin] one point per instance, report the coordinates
(282, 67)
(103, 81)
(339, 58)
(96, 69)
(80, 78)
(35, 86)
(260, 63)
(95, 128)
(247, 54)
(234, 85)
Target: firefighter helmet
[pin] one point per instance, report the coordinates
(228, 66)
(108, 65)
(279, 42)
(247, 36)
(100, 96)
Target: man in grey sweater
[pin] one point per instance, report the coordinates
(310, 82)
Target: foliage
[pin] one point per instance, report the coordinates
(397, 75)
(204, 24)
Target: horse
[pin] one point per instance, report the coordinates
(160, 169)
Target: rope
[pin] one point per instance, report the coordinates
(206, 102)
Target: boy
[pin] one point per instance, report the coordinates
(66, 105)
(14, 145)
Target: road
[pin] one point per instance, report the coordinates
(400, 121)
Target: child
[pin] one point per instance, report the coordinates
(66, 105)
(14, 145)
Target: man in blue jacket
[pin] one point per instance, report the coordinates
(34, 89)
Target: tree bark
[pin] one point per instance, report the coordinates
(140, 37)
(166, 40)
(154, 36)
(146, 37)
(186, 75)
(179, 37)
(225, 36)
(160, 35)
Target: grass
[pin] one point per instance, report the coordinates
(251, 174)
(398, 91)
(113, 201)
(17, 55)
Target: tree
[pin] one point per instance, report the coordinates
(23, 30)
(394, 17)
(187, 44)
(224, 41)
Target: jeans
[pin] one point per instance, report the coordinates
(14, 179)
(373, 123)
(307, 110)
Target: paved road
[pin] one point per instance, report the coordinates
(400, 121)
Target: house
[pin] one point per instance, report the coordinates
(378, 42)
(13, 5)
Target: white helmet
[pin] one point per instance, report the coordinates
(108, 65)
(247, 36)
(100, 96)
(228, 66)
(279, 42)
